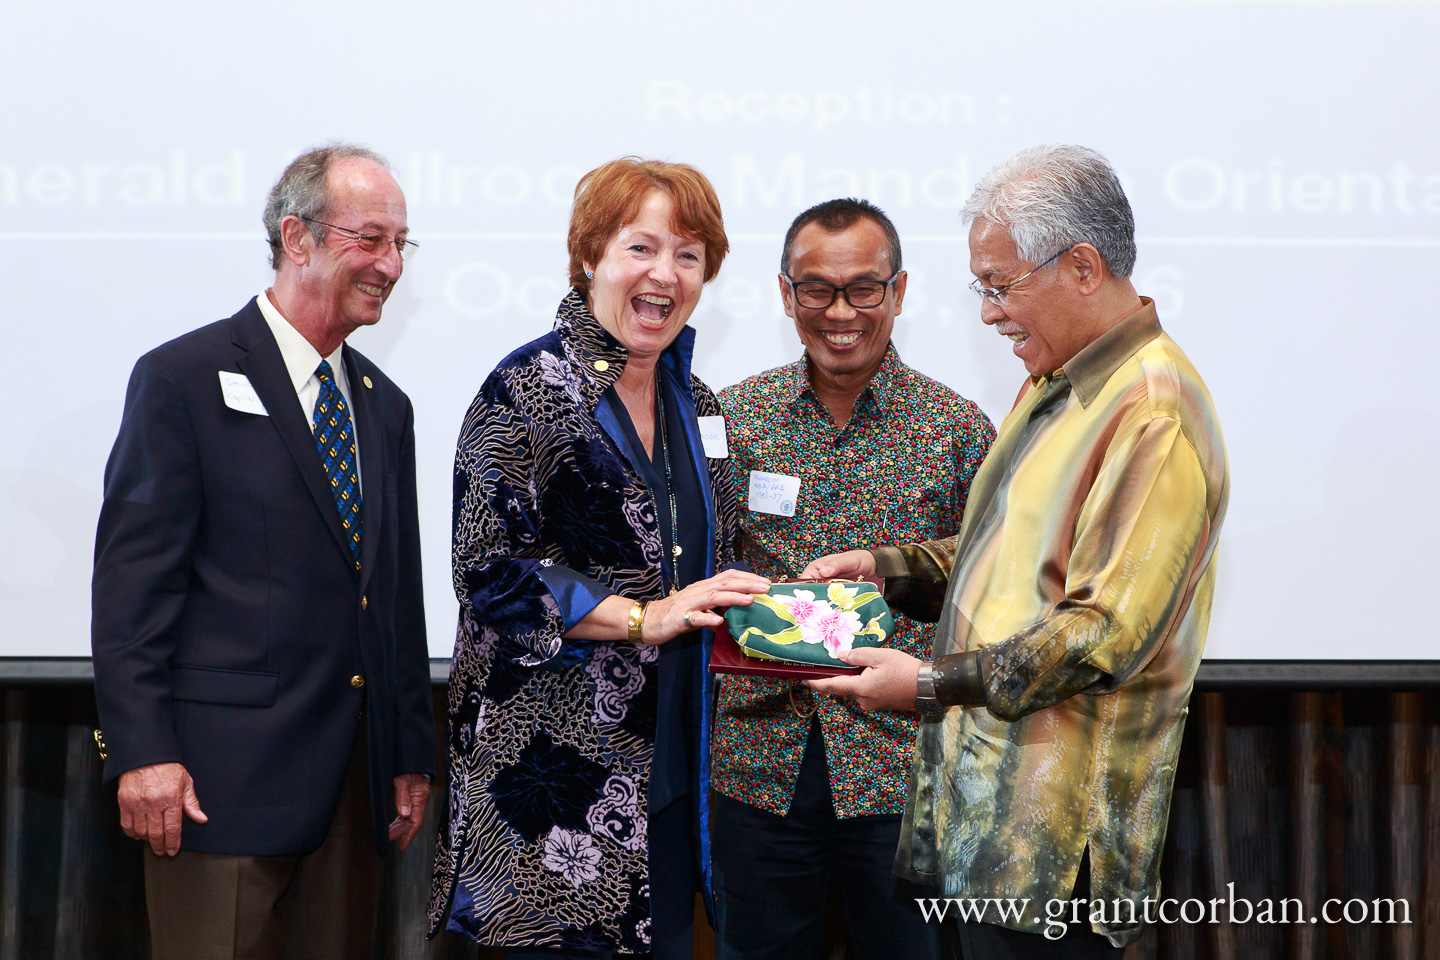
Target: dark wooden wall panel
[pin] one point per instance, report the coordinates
(1312, 795)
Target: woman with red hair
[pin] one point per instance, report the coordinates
(591, 533)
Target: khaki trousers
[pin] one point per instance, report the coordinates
(208, 906)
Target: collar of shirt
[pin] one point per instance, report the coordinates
(300, 357)
(601, 357)
(1092, 367)
(880, 389)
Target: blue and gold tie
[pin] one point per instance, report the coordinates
(336, 440)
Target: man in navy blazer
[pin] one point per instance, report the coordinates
(261, 667)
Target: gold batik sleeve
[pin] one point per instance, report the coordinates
(1136, 539)
(916, 576)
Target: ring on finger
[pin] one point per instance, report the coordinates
(686, 618)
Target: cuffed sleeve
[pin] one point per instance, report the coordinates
(957, 680)
(575, 594)
(497, 552)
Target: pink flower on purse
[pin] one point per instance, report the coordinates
(803, 607)
(835, 629)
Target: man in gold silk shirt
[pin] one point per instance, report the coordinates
(1073, 603)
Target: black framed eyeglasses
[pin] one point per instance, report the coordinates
(996, 295)
(372, 242)
(860, 294)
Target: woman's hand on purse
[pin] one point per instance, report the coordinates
(694, 607)
(850, 565)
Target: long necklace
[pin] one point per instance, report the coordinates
(675, 550)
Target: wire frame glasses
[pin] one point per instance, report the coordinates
(372, 243)
(997, 294)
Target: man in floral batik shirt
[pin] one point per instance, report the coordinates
(811, 788)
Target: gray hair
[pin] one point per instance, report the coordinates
(1055, 196)
(303, 191)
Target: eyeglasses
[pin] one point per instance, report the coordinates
(997, 294)
(373, 242)
(860, 294)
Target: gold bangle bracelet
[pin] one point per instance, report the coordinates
(636, 620)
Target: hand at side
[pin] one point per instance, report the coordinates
(412, 793)
(153, 800)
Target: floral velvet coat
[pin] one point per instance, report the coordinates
(550, 740)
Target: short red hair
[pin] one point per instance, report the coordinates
(610, 196)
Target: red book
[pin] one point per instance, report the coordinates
(726, 656)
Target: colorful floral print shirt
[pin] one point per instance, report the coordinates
(897, 472)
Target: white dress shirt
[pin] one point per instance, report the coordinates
(301, 359)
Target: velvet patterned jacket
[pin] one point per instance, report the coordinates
(550, 740)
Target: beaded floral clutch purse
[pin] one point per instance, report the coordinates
(811, 622)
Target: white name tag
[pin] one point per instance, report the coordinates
(712, 437)
(773, 493)
(239, 395)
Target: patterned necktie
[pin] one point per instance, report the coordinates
(336, 440)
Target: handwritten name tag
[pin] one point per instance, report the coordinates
(240, 395)
(773, 493)
(712, 437)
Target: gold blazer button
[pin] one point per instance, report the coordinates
(602, 365)
(368, 383)
(357, 681)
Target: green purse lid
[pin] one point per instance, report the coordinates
(811, 622)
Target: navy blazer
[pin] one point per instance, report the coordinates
(230, 629)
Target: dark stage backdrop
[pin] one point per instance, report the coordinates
(1305, 795)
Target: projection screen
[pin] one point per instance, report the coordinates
(1281, 159)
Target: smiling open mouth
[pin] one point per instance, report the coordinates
(652, 306)
(842, 339)
(373, 291)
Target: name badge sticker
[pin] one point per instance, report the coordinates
(240, 395)
(773, 493)
(712, 437)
